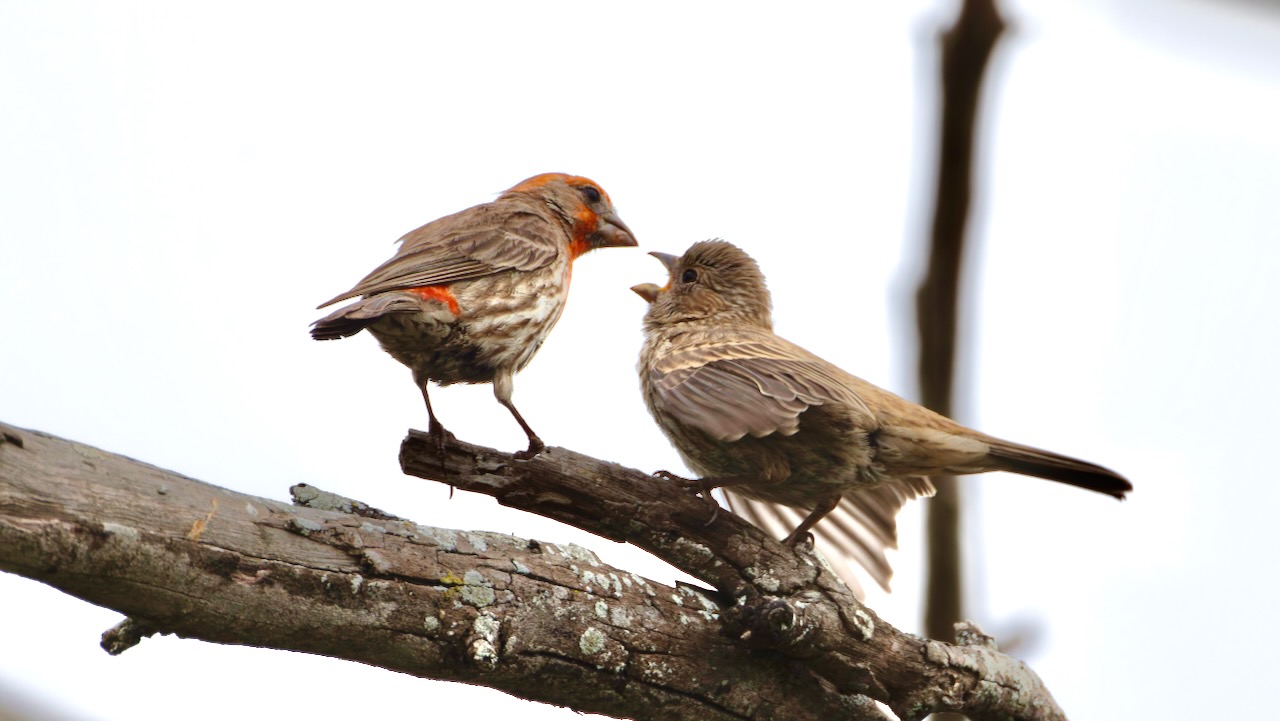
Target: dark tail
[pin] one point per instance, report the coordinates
(331, 328)
(1054, 467)
(351, 319)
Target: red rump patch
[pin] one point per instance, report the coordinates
(440, 293)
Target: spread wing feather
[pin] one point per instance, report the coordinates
(856, 533)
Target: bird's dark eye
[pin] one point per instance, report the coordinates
(689, 276)
(591, 193)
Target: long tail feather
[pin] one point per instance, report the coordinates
(1054, 467)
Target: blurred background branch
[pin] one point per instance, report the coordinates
(966, 48)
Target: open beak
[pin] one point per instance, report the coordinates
(648, 291)
(613, 233)
(667, 259)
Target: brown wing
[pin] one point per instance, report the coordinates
(754, 384)
(856, 534)
(757, 383)
(483, 240)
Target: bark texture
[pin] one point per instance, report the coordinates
(778, 636)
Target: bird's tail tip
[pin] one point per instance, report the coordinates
(338, 325)
(1063, 469)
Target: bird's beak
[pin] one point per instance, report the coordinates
(667, 259)
(648, 291)
(613, 233)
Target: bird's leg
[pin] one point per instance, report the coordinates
(436, 430)
(535, 443)
(502, 387)
(704, 486)
(825, 506)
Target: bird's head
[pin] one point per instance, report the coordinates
(713, 281)
(583, 206)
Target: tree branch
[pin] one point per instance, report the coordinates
(781, 637)
(773, 596)
(966, 47)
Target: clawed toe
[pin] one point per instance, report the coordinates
(715, 509)
(690, 483)
(697, 486)
(536, 446)
(441, 436)
(802, 540)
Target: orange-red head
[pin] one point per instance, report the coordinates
(584, 206)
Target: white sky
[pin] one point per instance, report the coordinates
(181, 183)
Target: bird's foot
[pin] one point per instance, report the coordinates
(699, 487)
(690, 483)
(441, 436)
(800, 539)
(536, 446)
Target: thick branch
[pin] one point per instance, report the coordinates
(536, 620)
(781, 599)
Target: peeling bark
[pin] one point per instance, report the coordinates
(778, 637)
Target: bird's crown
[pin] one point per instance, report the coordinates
(713, 280)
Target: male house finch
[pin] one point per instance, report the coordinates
(775, 424)
(470, 297)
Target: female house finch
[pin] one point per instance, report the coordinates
(781, 428)
(470, 297)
